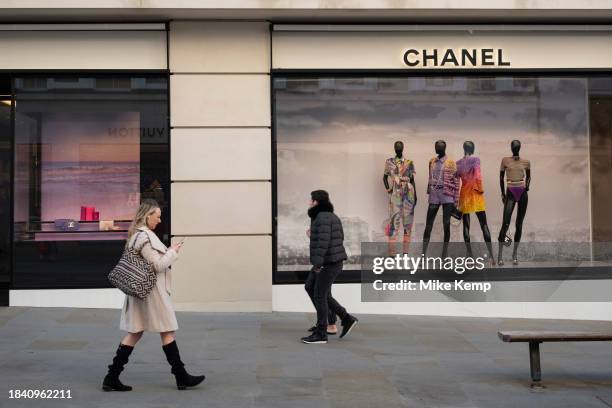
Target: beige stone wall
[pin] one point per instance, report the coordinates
(221, 165)
(82, 50)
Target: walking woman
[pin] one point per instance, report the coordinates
(154, 313)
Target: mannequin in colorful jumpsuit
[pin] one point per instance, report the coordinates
(518, 177)
(398, 179)
(443, 189)
(471, 197)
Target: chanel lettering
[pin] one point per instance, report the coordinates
(455, 58)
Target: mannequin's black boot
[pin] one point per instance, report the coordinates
(111, 381)
(500, 252)
(183, 379)
(515, 253)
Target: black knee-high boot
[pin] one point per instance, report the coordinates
(111, 381)
(183, 379)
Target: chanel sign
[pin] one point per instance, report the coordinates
(463, 58)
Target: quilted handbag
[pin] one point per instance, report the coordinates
(133, 275)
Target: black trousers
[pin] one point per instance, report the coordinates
(432, 211)
(323, 300)
(309, 286)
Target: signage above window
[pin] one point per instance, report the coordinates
(461, 58)
(443, 48)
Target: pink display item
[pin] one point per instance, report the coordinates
(83, 213)
(89, 213)
(96, 216)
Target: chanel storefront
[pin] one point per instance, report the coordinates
(232, 124)
(342, 97)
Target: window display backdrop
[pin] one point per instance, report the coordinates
(335, 133)
(83, 163)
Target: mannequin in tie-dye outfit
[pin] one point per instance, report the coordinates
(399, 182)
(471, 197)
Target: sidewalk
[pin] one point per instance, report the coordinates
(256, 360)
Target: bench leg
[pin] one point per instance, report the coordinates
(534, 363)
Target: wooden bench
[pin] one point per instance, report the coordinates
(534, 338)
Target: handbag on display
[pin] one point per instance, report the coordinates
(455, 213)
(456, 216)
(66, 224)
(106, 225)
(133, 275)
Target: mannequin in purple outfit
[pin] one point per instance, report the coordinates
(518, 178)
(442, 188)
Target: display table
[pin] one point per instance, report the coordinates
(88, 231)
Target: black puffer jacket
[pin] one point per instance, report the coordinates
(326, 235)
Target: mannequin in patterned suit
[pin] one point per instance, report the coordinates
(398, 179)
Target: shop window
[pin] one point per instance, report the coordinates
(86, 150)
(339, 139)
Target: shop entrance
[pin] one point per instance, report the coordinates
(6, 160)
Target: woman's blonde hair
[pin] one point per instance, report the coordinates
(147, 207)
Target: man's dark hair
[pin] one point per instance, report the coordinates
(320, 196)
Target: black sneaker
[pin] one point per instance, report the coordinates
(314, 328)
(347, 325)
(315, 338)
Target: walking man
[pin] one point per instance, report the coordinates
(327, 254)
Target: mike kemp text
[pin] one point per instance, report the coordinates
(432, 285)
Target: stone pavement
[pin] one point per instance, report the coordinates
(255, 360)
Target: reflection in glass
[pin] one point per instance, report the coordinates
(86, 150)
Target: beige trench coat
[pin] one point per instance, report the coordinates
(155, 313)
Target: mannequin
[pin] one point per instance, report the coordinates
(398, 179)
(471, 197)
(518, 178)
(442, 188)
